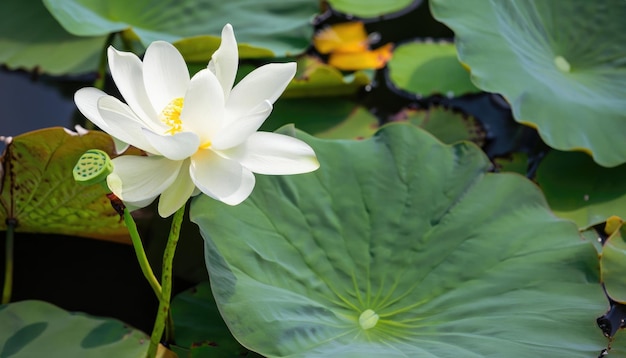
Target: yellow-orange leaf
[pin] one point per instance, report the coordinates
(347, 37)
(374, 59)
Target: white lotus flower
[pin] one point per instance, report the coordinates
(201, 133)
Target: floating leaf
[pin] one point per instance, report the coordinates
(312, 115)
(370, 59)
(32, 39)
(39, 329)
(39, 191)
(559, 63)
(360, 124)
(427, 68)
(369, 8)
(453, 261)
(347, 37)
(447, 125)
(199, 326)
(321, 80)
(283, 27)
(580, 190)
(349, 47)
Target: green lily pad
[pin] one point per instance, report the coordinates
(312, 115)
(316, 79)
(369, 8)
(360, 124)
(33, 40)
(280, 26)
(580, 190)
(447, 125)
(39, 329)
(401, 246)
(559, 63)
(613, 266)
(199, 326)
(427, 68)
(39, 191)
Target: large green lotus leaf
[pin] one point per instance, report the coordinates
(561, 65)
(455, 261)
(199, 326)
(39, 329)
(426, 68)
(580, 190)
(30, 38)
(39, 191)
(369, 8)
(281, 26)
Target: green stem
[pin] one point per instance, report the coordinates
(163, 318)
(141, 254)
(8, 269)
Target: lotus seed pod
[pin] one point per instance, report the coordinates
(93, 167)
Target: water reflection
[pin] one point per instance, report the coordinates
(31, 102)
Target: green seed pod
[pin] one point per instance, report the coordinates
(93, 167)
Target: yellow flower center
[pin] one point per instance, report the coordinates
(170, 115)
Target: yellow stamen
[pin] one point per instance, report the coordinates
(205, 145)
(170, 115)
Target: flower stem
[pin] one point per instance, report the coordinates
(141, 254)
(163, 314)
(8, 269)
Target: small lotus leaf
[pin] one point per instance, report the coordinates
(369, 8)
(427, 68)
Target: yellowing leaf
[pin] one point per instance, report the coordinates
(39, 192)
(374, 59)
(347, 37)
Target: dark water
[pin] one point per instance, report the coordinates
(29, 102)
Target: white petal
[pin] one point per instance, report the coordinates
(127, 72)
(86, 100)
(203, 109)
(176, 146)
(265, 83)
(220, 178)
(114, 183)
(120, 146)
(123, 124)
(275, 154)
(238, 130)
(225, 60)
(165, 74)
(177, 194)
(141, 178)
